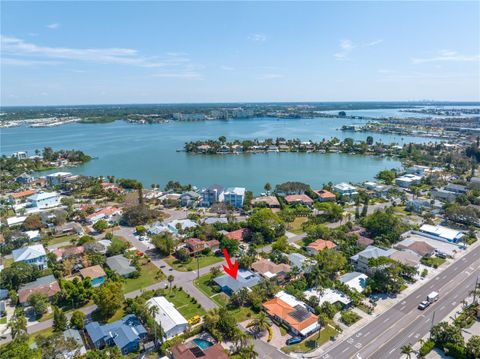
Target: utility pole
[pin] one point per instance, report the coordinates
(198, 267)
(475, 291)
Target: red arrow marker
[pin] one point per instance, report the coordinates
(232, 269)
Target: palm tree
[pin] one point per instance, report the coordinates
(170, 279)
(214, 272)
(18, 326)
(240, 340)
(261, 322)
(248, 352)
(322, 321)
(153, 311)
(407, 350)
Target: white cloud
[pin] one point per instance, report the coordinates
(347, 46)
(7, 61)
(53, 26)
(257, 37)
(269, 76)
(122, 56)
(227, 68)
(447, 55)
(187, 75)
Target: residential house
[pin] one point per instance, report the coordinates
(355, 281)
(345, 189)
(126, 333)
(32, 235)
(441, 248)
(96, 274)
(239, 234)
(328, 295)
(121, 265)
(70, 228)
(378, 189)
(193, 351)
(298, 199)
(57, 178)
(168, 317)
(360, 260)
(211, 195)
(47, 285)
(408, 180)
(64, 253)
(43, 200)
(300, 262)
(418, 170)
(325, 196)
(418, 205)
(268, 269)
(34, 255)
(422, 248)
(15, 221)
(295, 314)
(183, 224)
(213, 220)
(18, 197)
(108, 214)
(319, 245)
(443, 194)
(100, 246)
(456, 188)
(74, 335)
(364, 242)
(24, 178)
(407, 258)
(245, 279)
(196, 245)
(190, 199)
(269, 201)
(234, 196)
(442, 233)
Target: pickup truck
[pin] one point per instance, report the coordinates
(431, 298)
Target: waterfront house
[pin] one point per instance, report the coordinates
(245, 279)
(189, 199)
(345, 189)
(268, 269)
(168, 317)
(360, 260)
(442, 233)
(24, 178)
(57, 178)
(234, 196)
(211, 195)
(43, 200)
(325, 196)
(319, 245)
(298, 199)
(193, 351)
(418, 170)
(408, 180)
(47, 285)
(121, 265)
(355, 280)
(126, 333)
(379, 190)
(33, 255)
(96, 274)
(196, 245)
(269, 201)
(293, 313)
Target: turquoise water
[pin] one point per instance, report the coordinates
(203, 344)
(148, 152)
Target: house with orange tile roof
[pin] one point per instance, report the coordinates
(18, 197)
(298, 198)
(96, 274)
(106, 213)
(319, 245)
(295, 314)
(325, 196)
(238, 235)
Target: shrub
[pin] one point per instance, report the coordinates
(456, 351)
(348, 317)
(426, 348)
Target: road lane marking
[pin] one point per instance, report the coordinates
(410, 335)
(358, 345)
(445, 276)
(428, 319)
(453, 303)
(344, 350)
(442, 307)
(386, 320)
(418, 296)
(402, 308)
(366, 334)
(391, 351)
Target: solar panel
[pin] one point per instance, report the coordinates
(300, 313)
(197, 352)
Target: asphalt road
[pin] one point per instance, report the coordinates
(404, 323)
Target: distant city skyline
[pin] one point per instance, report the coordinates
(56, 53)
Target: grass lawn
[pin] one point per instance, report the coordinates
(296, 225)
(434, 262)
(3, 320)
(7, 262)
(183, 303)
(46, 332)
(60, 239)
(202, 284)
(312, 342)
(148, 276)
(192, 265)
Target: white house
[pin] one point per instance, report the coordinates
(234, 196)
(345, 189)
(57, 178)
(168, 317)
(33, 255)
(42, 200)
(408, 180)
(15, 221)
(355, 280)
(329, 295)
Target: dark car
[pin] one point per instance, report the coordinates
(293, 340)
(423, 305)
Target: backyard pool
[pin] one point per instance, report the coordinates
(202, 343)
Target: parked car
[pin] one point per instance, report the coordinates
(294, 340)
(194, 320)
(424, 305)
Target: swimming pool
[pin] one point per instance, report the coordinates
(202, 343)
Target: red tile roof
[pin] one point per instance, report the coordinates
(22, 194)
(320, 245)
(298, 198)
(237, 235)
(48, 289)
(279, 308)
(323, 193)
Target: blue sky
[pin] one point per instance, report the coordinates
(162, 52)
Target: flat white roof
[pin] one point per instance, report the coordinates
(168, 316)
(59, 174)
(344, 186)
(15, 220)
(240, 191)
(329, 295)
(443, 232)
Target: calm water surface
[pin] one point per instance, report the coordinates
(148, 152)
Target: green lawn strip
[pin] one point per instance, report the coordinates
(202, 284)
(311, 343)
(203, 261)
(296, 225)
(148, 276)
(3, 320)
(434, 262)
(60, 239)
(183, 303)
